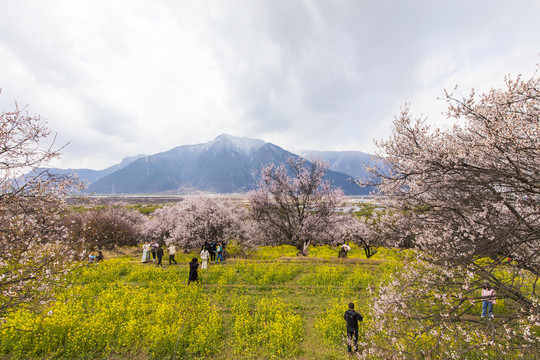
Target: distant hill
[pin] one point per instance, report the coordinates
(89, 176)
(353, 163)
(226, 165)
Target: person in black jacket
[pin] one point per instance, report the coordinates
(352, 318)
(159, 254)
(213, 249)
(193, 266)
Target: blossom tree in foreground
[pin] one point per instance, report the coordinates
(34, 248)
(470, 195)
(296, 205)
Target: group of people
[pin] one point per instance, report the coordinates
(215, 250)
(95, 258)
(210, 251)
(153, 251)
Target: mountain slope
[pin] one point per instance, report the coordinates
(89, 176)
(226, 165)
(353, 163)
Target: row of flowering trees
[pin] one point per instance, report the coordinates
(294, 205)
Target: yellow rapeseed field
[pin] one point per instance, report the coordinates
(268, 306)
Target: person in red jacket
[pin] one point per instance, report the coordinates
(352, 318)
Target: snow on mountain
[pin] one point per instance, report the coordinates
(227, 164)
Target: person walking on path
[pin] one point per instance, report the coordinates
(172, 252)
(352, 318)
(488, 299)
(159, 254)
(193, 266)
(205, 255)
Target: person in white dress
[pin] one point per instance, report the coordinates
(146, 252)
(205, 255)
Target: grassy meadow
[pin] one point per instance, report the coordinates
(268, 305)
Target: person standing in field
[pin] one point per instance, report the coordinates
(206, 245)
(193, 266)
(159, 254)
(219, 251)
(146, 252)
(352, 318)
(154, 248)
(205, 255)
(213, 251)
(488, 299)
(343, 249)
(172, 252)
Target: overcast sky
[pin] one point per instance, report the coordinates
(119, 78)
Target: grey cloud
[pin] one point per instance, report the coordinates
(304, 71)
(341, 62)
(110, 121)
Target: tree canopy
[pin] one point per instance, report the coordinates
(296, 205)
(469, 195)
(34, 247)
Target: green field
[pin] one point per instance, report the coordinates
(271, 304)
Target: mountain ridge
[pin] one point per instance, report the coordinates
(227, 164)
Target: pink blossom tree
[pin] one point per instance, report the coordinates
(34, 247)
(191, 222)
(363, 232)
(470, 197)
(296, 205)
(105, 228)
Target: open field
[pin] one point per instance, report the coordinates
(271, 305)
